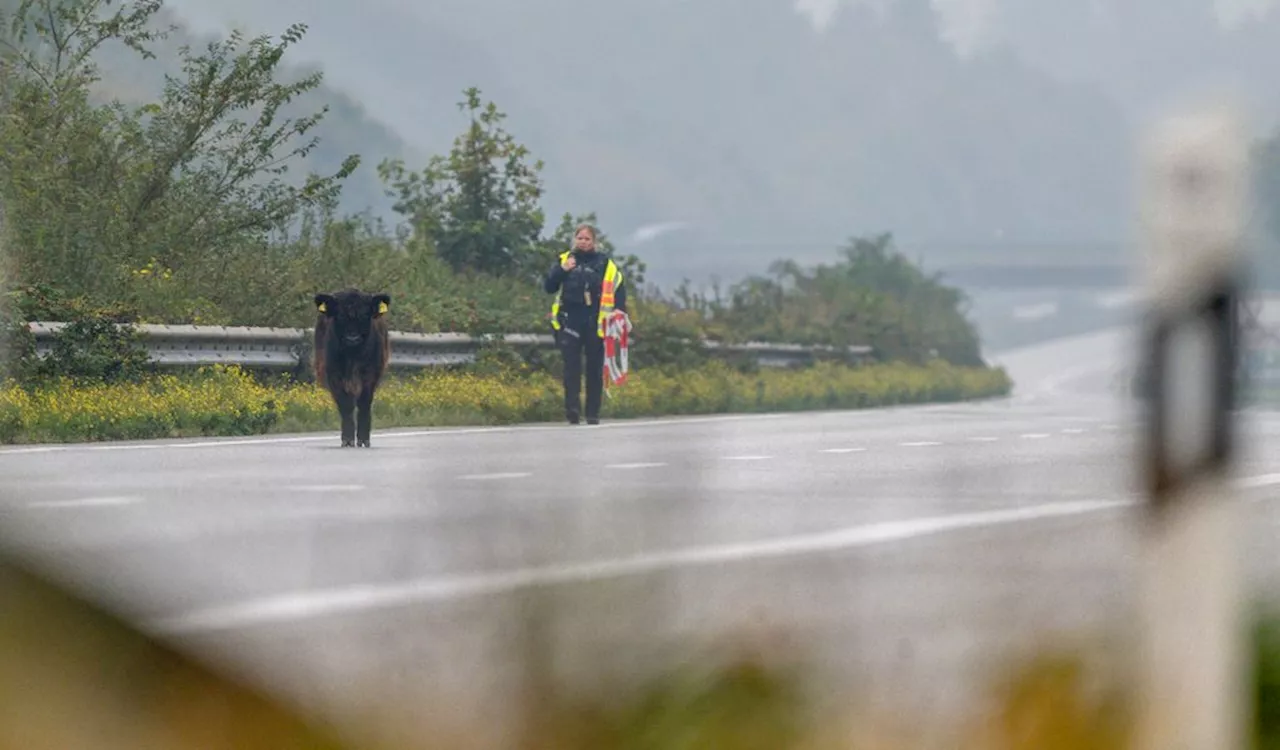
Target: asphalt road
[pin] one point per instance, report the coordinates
(904, 547)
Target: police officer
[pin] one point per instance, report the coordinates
(588, 286)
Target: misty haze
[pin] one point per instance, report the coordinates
(596, 373)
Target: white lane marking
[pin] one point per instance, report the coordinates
(500, 475)
(1073, 431)
(747, 458)
(86, 502)
(984, 439)
(635, 466)
(1035, 436)
(307, 604)
(1053, 386)
(325, 437)
(845, 450)
(328, 488)
(1262, 480)
(303, 605)
(977, 407)
(919, 444)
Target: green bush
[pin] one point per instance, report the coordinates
(91, 350)
(96, 344)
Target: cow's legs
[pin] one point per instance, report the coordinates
(365, 417)
(346, 409)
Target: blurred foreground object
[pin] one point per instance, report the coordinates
(73, 676)
(1195, 189)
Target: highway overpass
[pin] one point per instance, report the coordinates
(972, 266)
(1092, 274)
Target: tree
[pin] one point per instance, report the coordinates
(55, 147)
(872, 296)
(205, 182)
(193, 182)
(477, 207)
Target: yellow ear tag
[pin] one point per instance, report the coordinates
(324, 307)
(382, 308)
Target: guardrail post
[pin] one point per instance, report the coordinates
(1194, 190)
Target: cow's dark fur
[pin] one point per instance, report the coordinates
(352, 348)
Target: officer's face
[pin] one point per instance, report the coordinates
(584, 241)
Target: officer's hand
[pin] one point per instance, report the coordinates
(569, 263)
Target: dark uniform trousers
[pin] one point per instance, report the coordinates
(579, 337)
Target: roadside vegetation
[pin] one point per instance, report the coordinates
(200, 208)
(228, 401)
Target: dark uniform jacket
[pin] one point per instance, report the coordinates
(580, 290)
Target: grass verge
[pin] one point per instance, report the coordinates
(224, 401)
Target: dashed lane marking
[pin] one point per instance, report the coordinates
(87, 502)
(115, 501)
(328, 488)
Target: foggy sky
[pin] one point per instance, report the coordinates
(972, 25)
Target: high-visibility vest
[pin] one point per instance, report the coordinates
(612, 280)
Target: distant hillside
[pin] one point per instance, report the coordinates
(737, 117)
(1145, 53)
(762, 136)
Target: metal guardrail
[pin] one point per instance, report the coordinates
(284, 348)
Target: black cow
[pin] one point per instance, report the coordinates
(352, 348)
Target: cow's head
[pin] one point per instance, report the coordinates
(352, 313)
